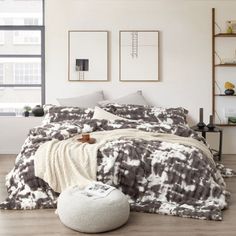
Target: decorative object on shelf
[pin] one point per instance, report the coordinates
(228, 60)
(201, 124)
(27, 110)
(231, 60)
(88, 56)
(232, 120)
(230, 116)
(229, 92)
(38, 111)
(229, 88)
(139, 55)
(211, 124)
(229, 27)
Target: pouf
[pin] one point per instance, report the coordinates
(97, 208)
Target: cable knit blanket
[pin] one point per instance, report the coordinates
(66, 163)
(156, 176)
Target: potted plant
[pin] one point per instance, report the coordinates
(27, 110)
(229, 88)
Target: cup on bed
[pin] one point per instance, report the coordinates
(85, 137)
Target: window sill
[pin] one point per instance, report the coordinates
(20, 117)
(26, 88)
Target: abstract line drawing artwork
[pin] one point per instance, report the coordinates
(139, 56)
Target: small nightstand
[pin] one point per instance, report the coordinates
(203, 131)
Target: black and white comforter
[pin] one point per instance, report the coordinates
(157, 177)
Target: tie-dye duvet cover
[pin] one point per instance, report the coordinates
(157, 177)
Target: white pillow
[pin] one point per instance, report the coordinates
(100, 114)
(132, 99)
(85, 101)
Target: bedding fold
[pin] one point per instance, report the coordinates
(69, 162)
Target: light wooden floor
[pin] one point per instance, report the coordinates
(46, 223)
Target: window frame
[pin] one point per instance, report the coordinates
(40, 28)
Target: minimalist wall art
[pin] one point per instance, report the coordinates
(139, 55)
(88, 56)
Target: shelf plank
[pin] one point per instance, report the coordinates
(225, 35)
(223, 95)
(226, 65)
(226, 125)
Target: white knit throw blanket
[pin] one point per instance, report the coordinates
(69, 162)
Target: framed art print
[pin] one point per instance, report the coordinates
(88, 56)
(139, 56)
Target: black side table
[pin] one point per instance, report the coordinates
(203, 131)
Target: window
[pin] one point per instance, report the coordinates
(2, 36)
(21, 42)
(27, 73)
(22, 56)
(31, 21)
(1, 74)
(27, 38)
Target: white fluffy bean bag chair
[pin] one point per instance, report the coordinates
(90, 212)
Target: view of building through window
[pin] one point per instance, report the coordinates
(21, 55)
(1, 73)
(27, 73)
(26, 37)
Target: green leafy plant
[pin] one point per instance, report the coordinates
(27, 108)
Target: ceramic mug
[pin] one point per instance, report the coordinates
(85, 137)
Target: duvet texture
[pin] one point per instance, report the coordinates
(156, 176)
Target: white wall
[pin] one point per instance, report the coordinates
(185, 27)
(14, 131)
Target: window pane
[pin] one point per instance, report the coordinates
(27, 73)
(20, 42)
(2, 38)
(21, 12)
(1, 73)
(13, 100)
(20, 71)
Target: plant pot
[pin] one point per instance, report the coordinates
(26, 113)
(38, 111)
(229, 92)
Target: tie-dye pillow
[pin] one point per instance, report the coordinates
(148, 113)
(63, 113)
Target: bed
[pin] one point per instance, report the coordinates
(157, 176)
